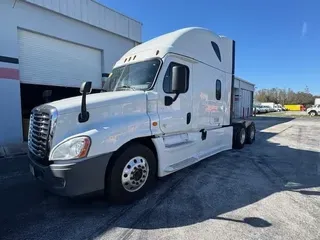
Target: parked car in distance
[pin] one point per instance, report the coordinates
(314, 110)
(259, 109)
(268, 109)
(256, 109)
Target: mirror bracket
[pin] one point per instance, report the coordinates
(84, 114)
(83, 117)
(169, 100)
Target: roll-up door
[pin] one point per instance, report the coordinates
(49, 61)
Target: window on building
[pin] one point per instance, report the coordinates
(168, 78)
(218, 89)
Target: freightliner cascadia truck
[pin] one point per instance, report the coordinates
(166, 105)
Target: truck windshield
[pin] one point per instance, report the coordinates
(136, 76)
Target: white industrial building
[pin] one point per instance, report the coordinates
(55, 46)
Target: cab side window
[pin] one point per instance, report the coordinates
(218, 89)
(168, 78)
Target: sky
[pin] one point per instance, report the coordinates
(277, 41)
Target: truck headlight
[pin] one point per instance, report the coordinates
(74, 148)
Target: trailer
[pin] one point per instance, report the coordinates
(166, 105)
(294, 107)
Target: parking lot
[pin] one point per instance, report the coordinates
(268, 190)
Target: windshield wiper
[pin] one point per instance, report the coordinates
(126, 87)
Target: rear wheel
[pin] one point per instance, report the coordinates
(239, 137)
(131, 174)
(251, 133)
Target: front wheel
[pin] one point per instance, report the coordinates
(312, 113)
(131, 174)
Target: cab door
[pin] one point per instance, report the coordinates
(176, 117)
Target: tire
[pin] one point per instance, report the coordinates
(313, 113)
(251, 133)
(239, 137)
(124, 185)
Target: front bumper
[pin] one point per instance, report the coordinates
(73, 178)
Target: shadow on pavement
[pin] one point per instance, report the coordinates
(252, 221)
(305, 192)
(212, 187)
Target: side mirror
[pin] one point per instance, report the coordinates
(86, 87)
(179, 79)
(178, 84)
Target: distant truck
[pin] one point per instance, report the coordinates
(316, 101)
(166, 105)
(294, 107)
(273, 107)
(281, 108)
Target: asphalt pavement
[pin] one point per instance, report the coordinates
(268, 190)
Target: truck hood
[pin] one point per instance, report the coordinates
(97, 100)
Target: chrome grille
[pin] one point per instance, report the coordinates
(41, 132)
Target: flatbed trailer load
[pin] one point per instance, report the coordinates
(166, 105)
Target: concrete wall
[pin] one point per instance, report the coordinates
(32, 17)
(10, 115)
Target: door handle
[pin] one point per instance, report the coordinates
(188, 117)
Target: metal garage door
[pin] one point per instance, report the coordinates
(49, 61)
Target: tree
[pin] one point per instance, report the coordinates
(285, 96)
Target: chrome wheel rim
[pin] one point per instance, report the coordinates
(135, 174)
(243, 136)
(312, 114)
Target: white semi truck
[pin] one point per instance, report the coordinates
(166, 105)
